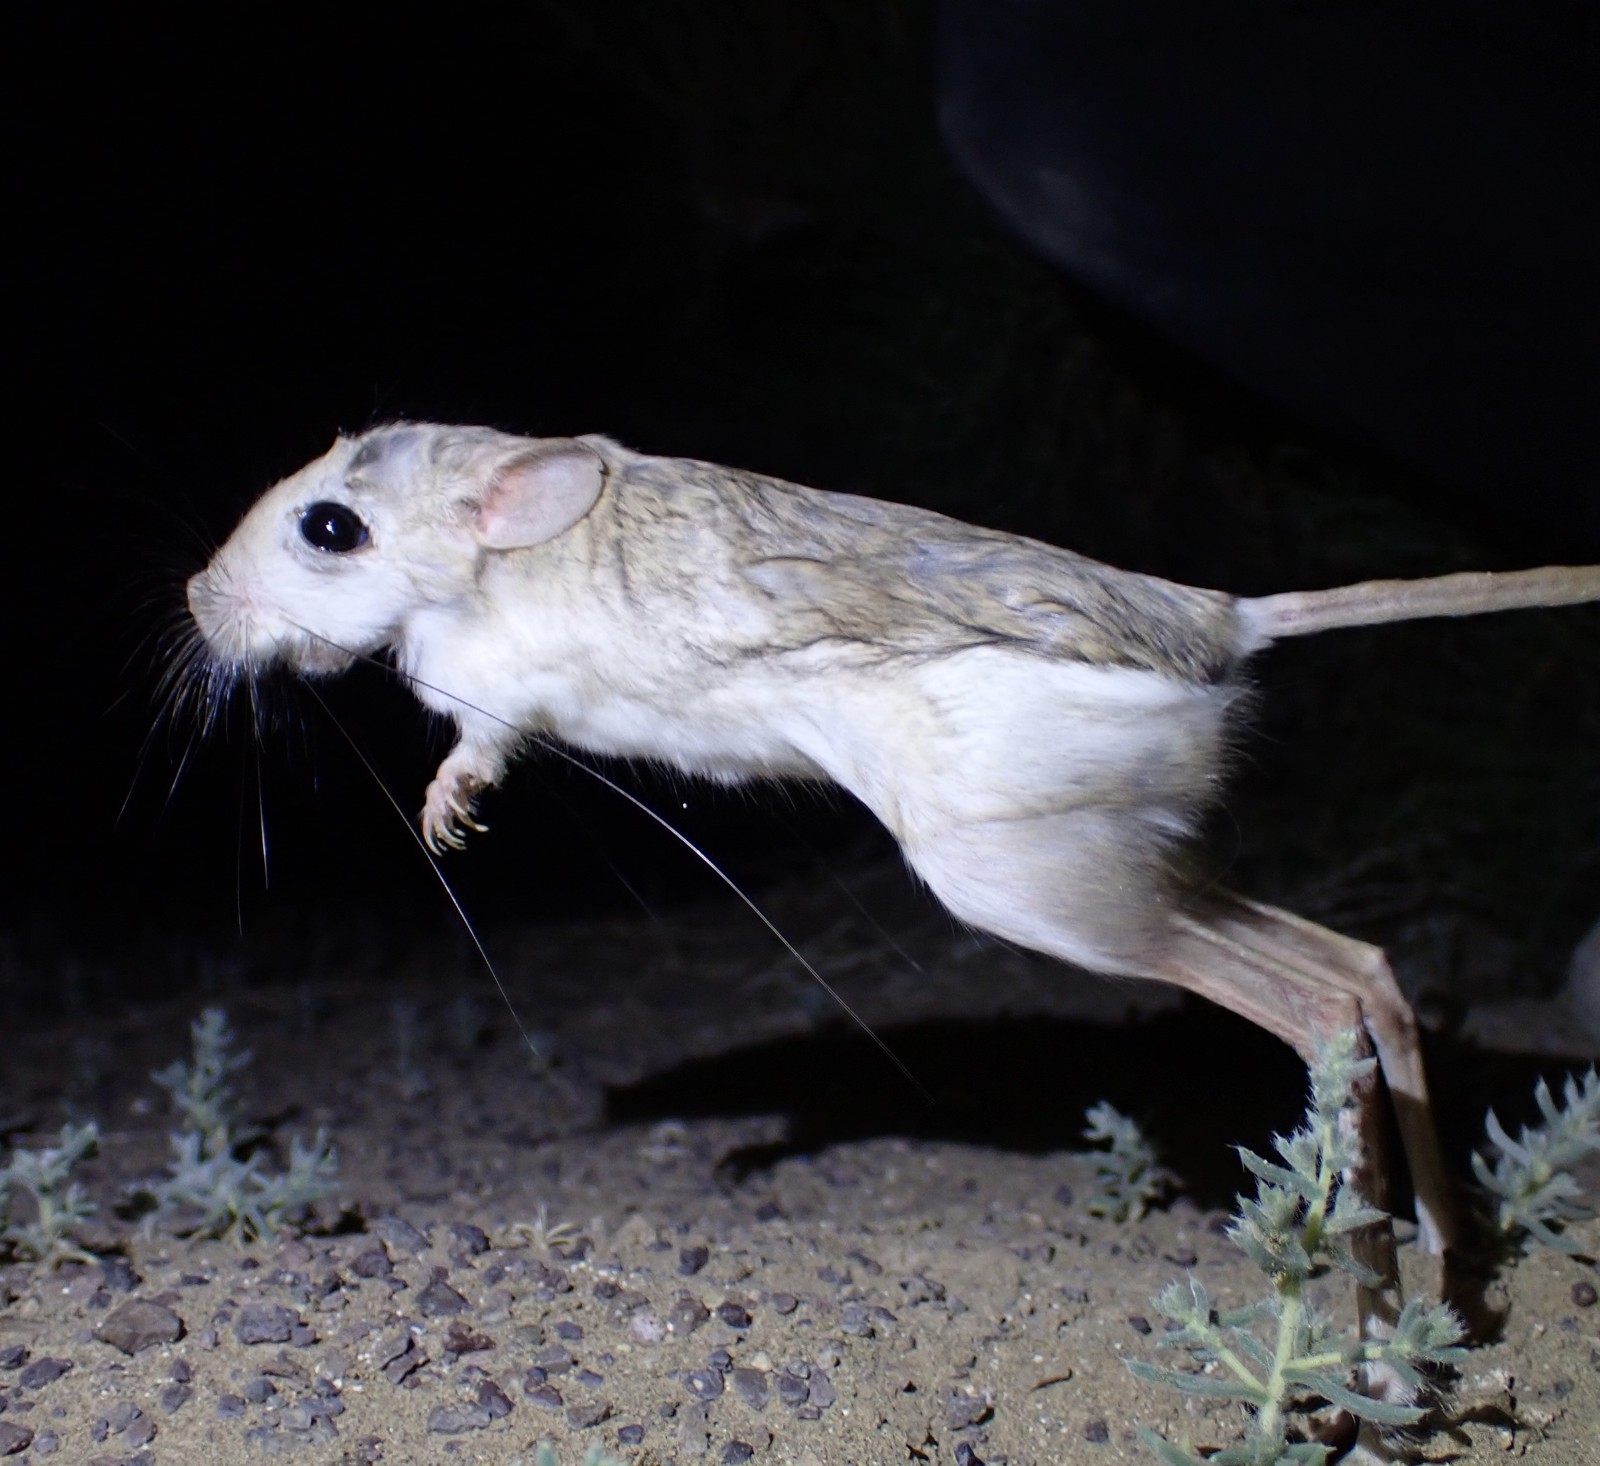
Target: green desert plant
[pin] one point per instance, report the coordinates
(1277, 1355)
(58, 1204)
(216, 1185)
(545, 1455)
(1528, 1181)
(1129, 1178)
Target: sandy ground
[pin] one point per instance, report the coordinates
(711, 1224)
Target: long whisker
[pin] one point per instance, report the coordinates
(433, 863)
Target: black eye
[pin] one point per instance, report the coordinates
(334, 528)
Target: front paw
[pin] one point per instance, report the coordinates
(449, 811)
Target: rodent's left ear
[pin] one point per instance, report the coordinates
(536, 495)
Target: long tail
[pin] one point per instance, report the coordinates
(1301, 612)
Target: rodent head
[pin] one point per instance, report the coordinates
(328, 564)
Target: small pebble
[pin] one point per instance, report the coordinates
(734, 1315)
(439, 1298)
(691, 1260)
(1139, 1323)
(373, 1263)
(585, 1417)
(704, 1384)
(398, 1232)
(1584, 1294)
(494, 1400)
(13, 1356)
(967, 1454)
(118, 1276)
(821, 1390)
(567, 1329)
(457, 1419)
(121, 1415)
(137, 1325)
(260, 1390)
(686, 1315)
(751, 1386)
(736, 1451)
(43, 1372)
(175, 1397)
(229, 1406)
(547, 1395)
(470, 1238)
(1097, 1432)
(784, 1303)
(46, 1443)
(264, 1323)
(630, 1435)
(14, 1438)
(180, 1372)
(792, 1391)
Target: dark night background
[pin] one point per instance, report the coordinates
(719, 230)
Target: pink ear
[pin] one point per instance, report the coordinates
(538, 495)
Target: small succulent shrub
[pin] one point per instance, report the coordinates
(545, 1455)
(217, 1183)
(1127, 1174)
(1278, 1355)
(1529, 1186)
(43, 1229)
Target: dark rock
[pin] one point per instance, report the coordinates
(784, 1303)
(1139, 1323)
(399, 1233)
(734, 1315)
(46, 1443)
(793, 1391)
(140, 1431)
(373, 1263)
(736, 1451)
(1584, 1294)
(567, 1329)
(691, 1260)
(401, 1365)
(586, 1417)
(457, 1419)
(439, 1299)
(265, 1323)
(542, 1394)
(118, 1275)
(1097, 1433)
(630, 1435)
(13, 1356)
(752, 1386)
(589, 1379)
(121, 1415)
(43, 1372)
(260, 1390)
(686, 1315)
(963, 1410)
(175, 1397)
(459, 1338)
(14, 1438)
(967, 1454)
(469, 1238)
(229, 1407)
(704, 1384)
(139, 1324)
(494, 1400)
(180, 1372)
(554, 1358)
